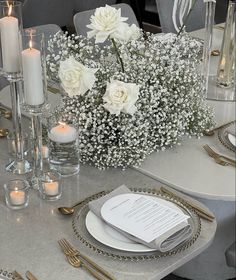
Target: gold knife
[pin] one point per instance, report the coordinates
(17, 275)
(200, 211)
(30, 276)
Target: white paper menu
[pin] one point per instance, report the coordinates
(141, 216)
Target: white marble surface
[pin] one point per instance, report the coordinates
(29, 236)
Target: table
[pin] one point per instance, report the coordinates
(189, 169)
(29, 236)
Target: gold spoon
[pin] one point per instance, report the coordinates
(68, 210)
(212, 131)
(4, 132)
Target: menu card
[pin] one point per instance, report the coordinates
(142, 216)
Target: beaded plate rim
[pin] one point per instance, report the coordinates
(6, 275)
(120, 255)
(222, 137)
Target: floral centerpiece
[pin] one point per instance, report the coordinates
(130, 93)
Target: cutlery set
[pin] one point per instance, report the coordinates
(77, 260)
(28, 275)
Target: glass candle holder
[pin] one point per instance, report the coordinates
(17, 194)
(64, 149)
(12, 145)
(50, 185)
(10, 38)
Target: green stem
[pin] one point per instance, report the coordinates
(186, 19)
(118, 55)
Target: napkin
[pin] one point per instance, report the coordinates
(165, 242)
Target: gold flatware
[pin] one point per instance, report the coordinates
(76, 262)
(69, 250)
(69, 210)
(30, 276)
(200, 211)
(218, 157)
(17, 275)
(212, 131)
(215, 52)
(53, 90)
(3, 132)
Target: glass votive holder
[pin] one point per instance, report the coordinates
(50, 185)
(17, 194)
(11, 143)
(64, 149)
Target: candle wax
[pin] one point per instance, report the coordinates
(51, 188)
(17, 197)
(63, 133)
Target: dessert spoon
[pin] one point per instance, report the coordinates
(212, 131)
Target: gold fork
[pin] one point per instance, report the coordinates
(220, 159)
(76, 262)
(69, 250)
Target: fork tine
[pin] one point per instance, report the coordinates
(69, 247)
(63, 247)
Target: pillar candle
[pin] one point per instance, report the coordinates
(9, 29)
(33, 79)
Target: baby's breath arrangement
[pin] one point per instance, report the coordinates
(132, 96)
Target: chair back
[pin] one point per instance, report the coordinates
(82, 19)
(165, 8)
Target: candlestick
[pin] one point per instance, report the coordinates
(9, 29)
(32, 74)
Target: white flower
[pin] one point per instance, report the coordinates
(75, 77)
(105, 22)
(127, 33)
(121, 97)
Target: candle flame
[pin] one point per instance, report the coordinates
(9, 9)
(62, 123)
(30, 44)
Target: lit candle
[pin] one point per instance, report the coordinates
(45, 152)
(9, 29)
(63, 133)
(17, 197)
(51, 188)
(32, 74)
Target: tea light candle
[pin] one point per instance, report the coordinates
(63, 133)
(17, 197)
(51, 188)
(32, 74)
(9, 29)
(45, 152)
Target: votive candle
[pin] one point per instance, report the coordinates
(17, 197)
(51, 188)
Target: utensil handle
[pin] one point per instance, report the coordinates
(201, 212)
(96, 266)
(229, 160)
(92, 272)
(30, 276)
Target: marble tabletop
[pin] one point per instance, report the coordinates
(29, 236)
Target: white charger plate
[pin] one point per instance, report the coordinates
(107, 235)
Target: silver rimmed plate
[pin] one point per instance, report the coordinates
(5, 275)
(227, 136)
(83, 234)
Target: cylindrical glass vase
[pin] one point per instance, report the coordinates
(63, 149)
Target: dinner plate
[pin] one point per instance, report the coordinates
(226, 136)
(84, 236)
(105, 234)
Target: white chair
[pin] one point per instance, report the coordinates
(82, 19)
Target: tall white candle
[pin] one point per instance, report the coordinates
(63, 133)
(10, 43)
(32, 74)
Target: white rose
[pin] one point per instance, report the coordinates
(105, 21)
(121, 97)
(76, 79)
(127, 33)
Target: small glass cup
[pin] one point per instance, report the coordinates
(17, 194)
(50, 185)
(11, 143)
